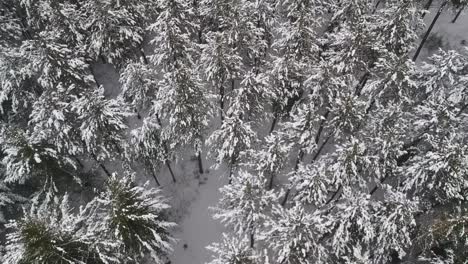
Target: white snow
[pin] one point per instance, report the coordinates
(197, 228)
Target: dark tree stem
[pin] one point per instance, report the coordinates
(319, 151)
(428, 32)
(200, 162)
(79, 162)
(168, 165)
(101, 165)
(273, 123)
(270, 183)
(376, 6)
(334, 194)
(221, 103)
(252, 239)
(458, 14)
(427, 7)
(154, 176)
(286, 195)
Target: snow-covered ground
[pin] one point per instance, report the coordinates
(198, 229)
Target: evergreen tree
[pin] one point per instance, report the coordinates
(26, 157)
(245, 205)
(233, 251)
(115, 29)
(136, 216)
(50, 233)
(102, 123)
(295, 236)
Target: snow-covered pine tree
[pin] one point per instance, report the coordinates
(8, 201)
(220, 65)
(49, 232)
(294, 234)
(270, 159)
(245, 205)
(115, 29)
(296, 48)
(147, 145)
(227, 143)
(181, 100)
(136, 217)
(233, 251)
(237, 40)
(124, 223)
(29, 158)
(102, 123)
(139, 85)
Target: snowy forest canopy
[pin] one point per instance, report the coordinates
(341, 142)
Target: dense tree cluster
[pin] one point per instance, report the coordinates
(343, 144)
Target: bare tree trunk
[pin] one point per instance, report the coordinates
(286, 196)
(101, 165)
(428, 32)
(376, 6)
(270, 183)
(458, 14)
(200, 162)
(168, 164)
(427, 7)
(299, 159)
(221, 103)
(154, 176)
(79, 162)
(231, 167)
(273, 123)
(252, 239)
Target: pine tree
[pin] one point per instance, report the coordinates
(8, 201)
(136, 216)
(139, 85)
(296, 47)
(124, 223)
(148, 146)
(102, 123)
(245, 205)
(115, 29)
(230, 140)
(50, 233)
(295, 236)
(233, 251)
(26, 157)
(180, 88)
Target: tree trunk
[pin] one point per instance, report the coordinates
(101, 165)
(252, 239)
(273, 123)
(200, 162)
(168, 164)
(458, 14)
(428, 32)
(362, 83)
(319, 151)
(79, 162)
(286, 195)
(299, 159)
(376, 6)
(154, 176)
(270, 183)
(427, 7)
(221, 103)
